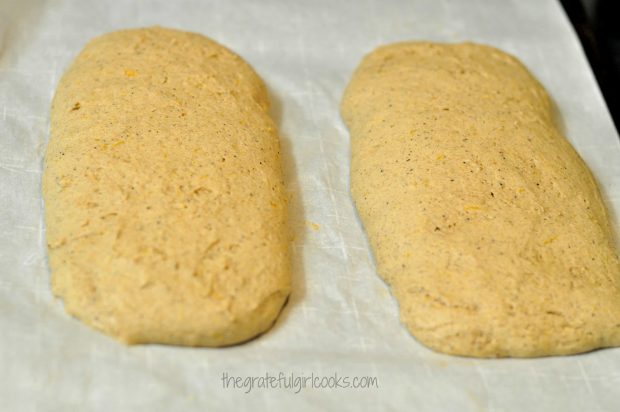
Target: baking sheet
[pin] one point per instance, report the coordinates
(340, 319)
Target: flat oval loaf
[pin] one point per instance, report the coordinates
(484, 221)
(165, 208)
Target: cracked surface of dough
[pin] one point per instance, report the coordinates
(165, 206)
(484, 221)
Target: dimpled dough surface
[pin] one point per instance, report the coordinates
(484, 221)
(165, 207)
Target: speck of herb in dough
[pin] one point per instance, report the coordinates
(437, 229)
(76, 106)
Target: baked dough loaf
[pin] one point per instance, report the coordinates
(484, 221)
(165, 207)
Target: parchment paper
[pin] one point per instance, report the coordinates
(340, 318)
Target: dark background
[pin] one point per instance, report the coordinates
(597, 23)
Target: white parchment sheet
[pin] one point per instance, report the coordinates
(340, 318)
